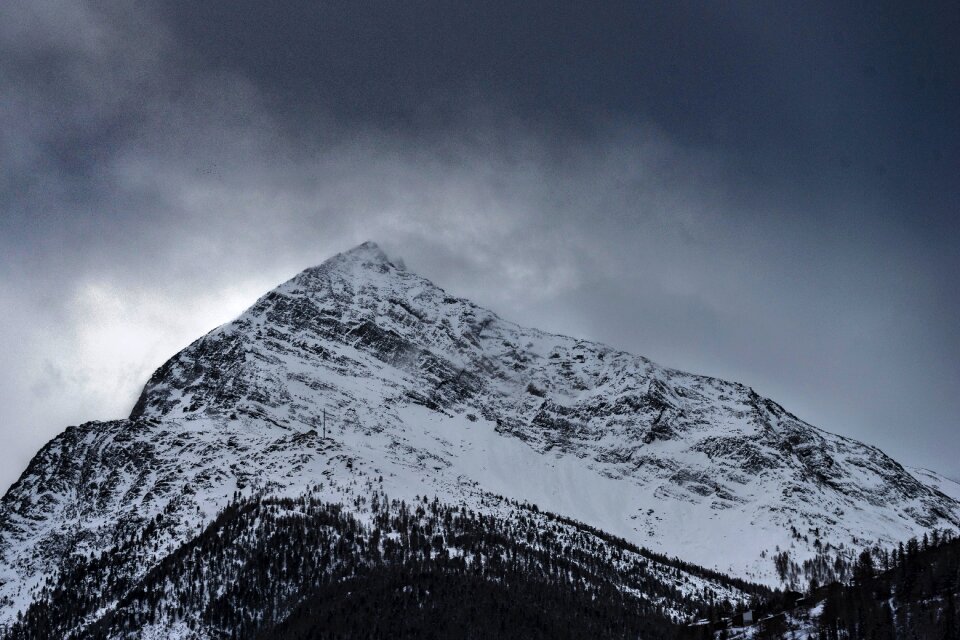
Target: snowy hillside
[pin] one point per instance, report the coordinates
(432, 395)
(934, 480)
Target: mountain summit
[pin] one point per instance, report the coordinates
(360, 373)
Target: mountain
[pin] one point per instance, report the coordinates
(423, 394)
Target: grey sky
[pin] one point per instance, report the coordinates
(763, 193)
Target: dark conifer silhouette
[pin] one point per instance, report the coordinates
(271, 567)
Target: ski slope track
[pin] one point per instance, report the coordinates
(440, 397)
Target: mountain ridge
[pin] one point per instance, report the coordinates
(434, 394)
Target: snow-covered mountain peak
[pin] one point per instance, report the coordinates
(362, 263)
(432, 394)
(366, 253)
(370, 347)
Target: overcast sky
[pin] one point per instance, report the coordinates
(761, 191)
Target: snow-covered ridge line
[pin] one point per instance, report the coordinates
(946, 486)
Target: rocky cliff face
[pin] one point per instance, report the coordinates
(427, 393)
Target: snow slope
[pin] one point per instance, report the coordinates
(934, 480)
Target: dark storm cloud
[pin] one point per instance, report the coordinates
(755, 191)
(805, 86)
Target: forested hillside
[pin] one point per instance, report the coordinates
(305, 568)
(914, 596)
